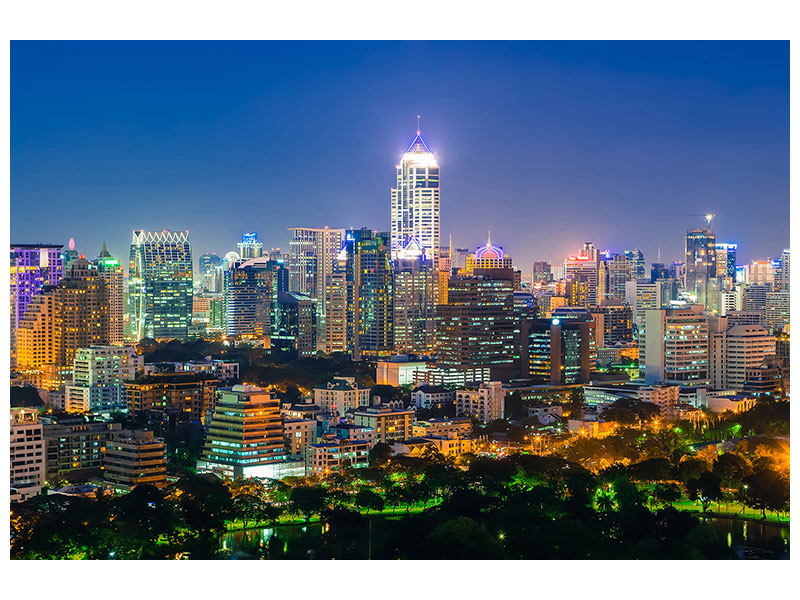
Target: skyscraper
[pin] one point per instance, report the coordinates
(584, 268)
(488, 257)
(415, 200)
(701, 263)
(251, 297)
(210, 272)
(250, 247)
(726, 259)
(676, 347)
(370, 295)
(414, 280)
(160, 284)
(111, 269)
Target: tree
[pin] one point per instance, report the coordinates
(705, 489)
(379, 454)
(367, 499)
(630, 411)
(307, 501)
(766, 490)
(731, 469)
(626, 494)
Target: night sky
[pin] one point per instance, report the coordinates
(548, 144)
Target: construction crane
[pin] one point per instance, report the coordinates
(707, 216)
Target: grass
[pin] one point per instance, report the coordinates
(733, 510)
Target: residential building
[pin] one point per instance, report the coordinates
(111, 269)
(734, 350)
(340, 395)
(99, 374)
(27, 459)
(485, 402)
(457, 427)
(75, 447)
(298, 434)
(189, 395)
(389, 424)
(332, 457)
(677, 347)
(432, 396)
(662, 396)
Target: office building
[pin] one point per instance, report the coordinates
(476, 328)
(295, 330)
(61, 319)
(370, 295)
(27, 458)
(298, 434)
(245, 435)
(111, 269)
(676, 346)
(99, 374)
(414, 300)
(562, 349)
(250, 247)
(335, 326)
(726, 259)
(755, 296)
(340, 395)
(487, 257)
(160, 284)
(776, 310)
(617, 323)
(760, 272)
(210, 273)
(251, 297)
(734, 350)
(187, 396)
(783, 274)
(133, 458)
(415, 201)
(701, 263)
(542, 272)
(484, 402)
(583, 270)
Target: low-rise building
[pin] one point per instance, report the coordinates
(350, 431)
(484, 402)
(660, 395)
(341, 395)
(432, 396)
(297, 434)
(735, 403)
(591, 428)
(331, 457)
(75, 447)
(191, 394)
(400, 370)
(442, 426)
(133, 458)
(27, 454)
(389, 424)
(546, 413)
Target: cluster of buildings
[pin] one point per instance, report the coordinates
(460, 327)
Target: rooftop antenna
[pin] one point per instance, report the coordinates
(489, 239)
(419, 128)
(450, 249)
(659, 255)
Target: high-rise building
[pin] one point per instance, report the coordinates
(111, 269)
(676, 346)
(370, 295)
(701, 263)
(61, 319)
(726, 259)
(415, 201)
(187, 396)
(619, 270)
(542, 271)
(414, 299)
(782, 277)
(336, 311)
(251, 297)
(70, 255)
(250, 247)
(484, 402)
(245, 435)
(99, 374)
(210, 272)
(617, 323)
(658, 271)
(295, 330)
(33, 266)
(488, 257)
(584, 268)
(734, 350)
(476, 328)
(637, 265)
(760, 272)
(562, 349)
(776, 310)
(27, 454)
(160, 284)
(755, 296)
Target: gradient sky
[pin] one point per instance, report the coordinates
(546, 143)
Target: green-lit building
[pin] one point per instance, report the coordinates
(160, 285)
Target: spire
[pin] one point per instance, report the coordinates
(418, 145)
(450, 249)
(104, 253)
(489, 239)
(419, 121)
(659, 255)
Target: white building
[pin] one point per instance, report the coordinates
(734, 350)
(399, 370)
(662, 396)
(430, 396)
(676, 346)
(341, 395)
(484, 403)
(415, 201)
(27, 454)
(299, 433)
(99, 375)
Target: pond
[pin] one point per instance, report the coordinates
(753, 539)
(245, 544)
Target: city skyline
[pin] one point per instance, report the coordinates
(107, 131)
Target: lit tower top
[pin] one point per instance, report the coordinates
(488, 257)
(415, 199)
(250, 247)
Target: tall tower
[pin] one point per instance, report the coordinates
(701, 263)
(250, 247)
(110, 269)
(160, 284)
(415, 200)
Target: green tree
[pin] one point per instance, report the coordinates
(307, 501)
(766, 490)
(369, 500)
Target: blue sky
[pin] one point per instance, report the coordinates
(549, 144)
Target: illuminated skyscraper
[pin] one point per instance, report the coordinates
(414, 280)
(251, 297)
(584, 268)
(415, 201)
(110, 269)
(33, 266)
(210, 273)
(250, 247)
(726, 259)
(160, 284)
(488, 257)
(701, 263)
(370, 330)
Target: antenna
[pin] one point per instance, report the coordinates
(419, 127)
